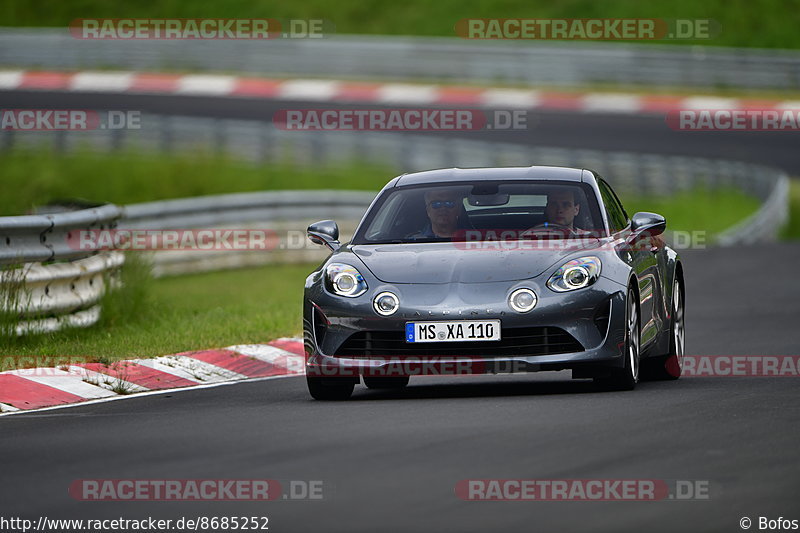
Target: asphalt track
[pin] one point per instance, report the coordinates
(390, 461)
(599, 131)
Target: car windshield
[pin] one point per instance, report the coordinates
(489, 209)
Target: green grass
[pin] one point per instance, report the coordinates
(171, 315)
(764, 23)
(792, 228)
(38, 177)
(698, 209)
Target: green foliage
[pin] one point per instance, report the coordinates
(762, 23)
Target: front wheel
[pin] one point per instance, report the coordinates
(670, 366)
(330, 389)
(625, 378)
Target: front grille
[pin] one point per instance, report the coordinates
(514, 342)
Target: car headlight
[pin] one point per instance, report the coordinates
(575, 274)
(345, 280)
(522, 300)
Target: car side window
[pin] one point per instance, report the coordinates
(617, 218)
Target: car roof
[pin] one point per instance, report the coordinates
(447, 175)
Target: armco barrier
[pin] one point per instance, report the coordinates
(262, 142)
(418, 58)
(60, 294)
(47, 284)
(286, 213)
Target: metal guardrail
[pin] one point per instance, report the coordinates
(761, 225)
(59, 295)
(420, 58)
(48, 282)
(236, 208)
(284, 214)
(260, 142)
(41, 238)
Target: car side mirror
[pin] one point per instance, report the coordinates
(650, 224)
(324, 232)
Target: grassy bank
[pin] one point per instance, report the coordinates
(792, 229)
(706, 210)
(765, 23)
(38, 177)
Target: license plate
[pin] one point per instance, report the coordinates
(457, 331)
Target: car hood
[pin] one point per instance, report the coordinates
(450, 262)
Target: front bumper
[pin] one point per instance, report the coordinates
(331, 320)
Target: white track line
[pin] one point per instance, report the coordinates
(505, 98)
(72, 383)
(107, 382)
(199, 371)
(308, 89)
(611, 103)
(270, 354)
(10, 79)
(132, 396)
(101, 81)
(709, 102)
(168, 365)
(387, 93)
(400, 93)
(206, 84)
(99, 387)
(7, 409)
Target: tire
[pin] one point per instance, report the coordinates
(625, 378)
(670, 366)
(330, 389)
(395, 382)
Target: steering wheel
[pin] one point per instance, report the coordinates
(551, 227)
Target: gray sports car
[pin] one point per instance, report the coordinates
(489, 270)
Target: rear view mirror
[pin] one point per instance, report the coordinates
(486, 194)
(324, 232)
(651, 224)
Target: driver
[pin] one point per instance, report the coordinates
(443, 207)
(561, 209)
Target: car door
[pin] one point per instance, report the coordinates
(643, 256)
